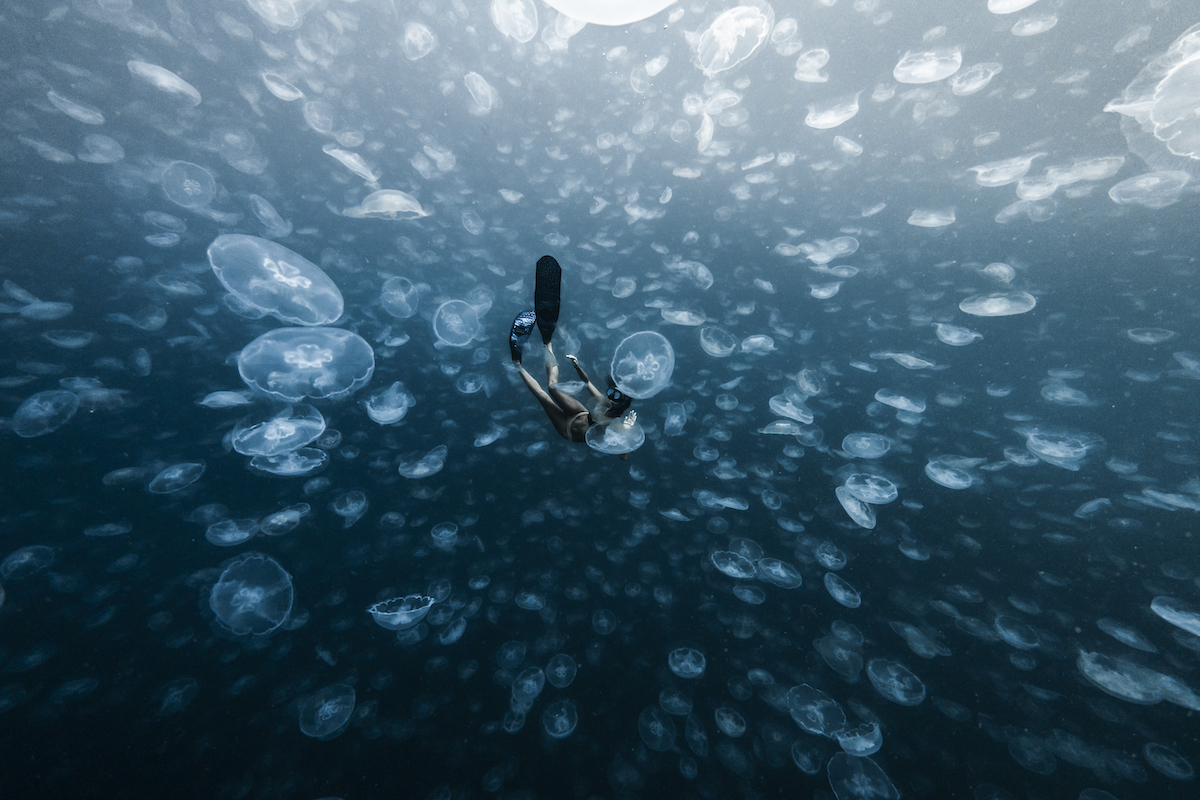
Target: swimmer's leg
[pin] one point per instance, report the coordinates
(546, 296)
(560, 419)
(568, 404)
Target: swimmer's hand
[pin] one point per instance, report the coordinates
(573, 360)
(630, 419)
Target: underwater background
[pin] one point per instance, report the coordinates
(914, 511)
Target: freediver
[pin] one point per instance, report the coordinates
(571, 418)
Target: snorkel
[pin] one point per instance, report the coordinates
(618, 401)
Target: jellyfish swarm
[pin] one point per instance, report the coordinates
(44, 412)
(291, 364)
(269, 277)
(642, 364)
(253, 596)
(327, 712)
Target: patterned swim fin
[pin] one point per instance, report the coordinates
(546, 295)
(522, 326)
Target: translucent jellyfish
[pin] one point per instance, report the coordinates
(282, 431)
(1152, 189)
(326, 712)
(284, 520)
(675, 702)
(733, 564)
(998, 304)
(733, 37)
(931, 217)
(717, 342)
(526, 687)
(1168, 762)
(814, 711)
(613, 12)
(830, 556)
(176, 477)
(686, 662)
(895, 682)
(928, 66)
(642, 364)
(100, 149)
(1159, 108)
(483, 95)
(730, 722)
(975, 79)
(859, 778)
(44, 412)
(1032, 26)
(560, 718)
(164, 80)
(389, 405)
(1181, 614)
(399, 297)
(418, 42)
(26, 561)
(656, 728)
(790, 404)
(560, 672)
(516, 19)
(290, 364)
(230, 532)
(949, 476)
(188, 185)
(1016, 633)
(293, 464)
(615, 439)
(780, 573)
(429, 464)
(830, 115)
(387, 204)
(955, 335)
(253, 596)
(1150, 335)
(274, 226)
(472, 222)
(874, 489)
(841, 591)
(1008, 6)
(455, 323)
(350, 506)
(401, 613)
(175, 696)
(866, 445)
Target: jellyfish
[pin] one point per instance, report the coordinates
(188, 185)
(176, 477)
(615, 439)
(290, 364)
(283, 431)
(656, 729)
(387, 204)
(26, 561)
(401, 613)
(326, 712)
(419, 41)
(733, 37)
(560, 672)
(253, 596)
(389, 406)
(484, 97)
(44, 412)
(642, 364)
(400, 297)
(100, 149)
(928, 66)
(560, 718)
(455, 323)
(293, 464)
(516, 19)
(164, 80)
(269, 277)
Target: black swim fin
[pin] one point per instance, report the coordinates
(546, 295)
(522, 326)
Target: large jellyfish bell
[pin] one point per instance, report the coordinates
(253, 596)
(291, 364)
(642, 364)
(272, 278)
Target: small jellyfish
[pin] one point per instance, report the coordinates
(188, 185)
(733, 37)
(26, 561)
(350, 506)
(401, 613)
(283, 431)
(516, 19)
(176, 477)
(44, 412)
(560, 672)
(326, 712)
(560, 718)
(456, 323)
(389, 405)
(175, 696)
(391, 204)
(253, 595)
(642, 364)
(399, 297)
(686, 662)
(656, 729)
(419, 41)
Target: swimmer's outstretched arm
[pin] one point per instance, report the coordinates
(587, 382)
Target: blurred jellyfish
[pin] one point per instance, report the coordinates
(272, 278)
(642, 364)
(176, 477)
(164, 80)
(253, 596)
(283, 431)
(516, 19)
(429, 464)
(560, 718)
(483, 95)
(389, 405)
(656, 729)
(100, 149)
(44, 412)
(291, 364)
(350, 506)
(26, 561)
(326, 712)
(560, 672)
(387, 204)
(188, 185)
(274, 226)
(455, 323)
(419, 41)
(399, 297)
